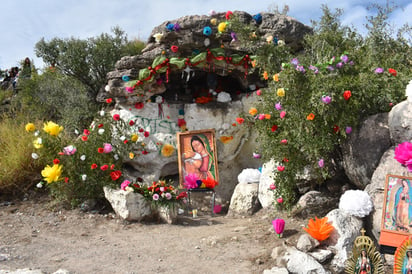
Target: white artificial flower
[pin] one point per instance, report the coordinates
(84, 177)
(158, 37)
(83, 157)
(101, 113)
(408, 91)
(76, 132)
(35, 156)
(281, 43)
(116, 157)
(122, 138)
(128, 189)
(39, 140)
(39, 185)
(107, 88)
(356, 202)
(159, 99)
(36, 133)
(100, 131)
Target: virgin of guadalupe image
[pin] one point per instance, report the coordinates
(363, 264)
(407, 264)
(400, 205)
(199, 160)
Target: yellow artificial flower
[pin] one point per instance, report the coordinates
(222, 27)
(226, 139)
(38, 143)
(281, 92)
(269, 39)
(52, 173)
(253, 111)
(213, 21)
(52, 128)
(134, 138)
(30, 127)
(131, 155)
(167, 150)
(276, 77)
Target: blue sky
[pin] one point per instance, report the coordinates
(25, 22)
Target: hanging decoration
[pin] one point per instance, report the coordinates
(162, 64)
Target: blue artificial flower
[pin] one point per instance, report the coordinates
(257, 18)
(207, 31)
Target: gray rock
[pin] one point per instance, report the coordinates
(306, 243)
(244, 199)
(276, 270)
(364, 148)
(321, 255)
(22, 271)
(128, 205)
(302, 263)
(400, 122)
(315, 203)
(265, 195)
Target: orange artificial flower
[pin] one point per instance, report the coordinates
(319, 229)
(265, 75)
(310, 117)
(203, 100)
(226, 139)
(253, 111)
(276, 77)
(253, 63)
(209, 182)
(267, 116)
(240, 120)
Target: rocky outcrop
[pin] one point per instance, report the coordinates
(244, 200)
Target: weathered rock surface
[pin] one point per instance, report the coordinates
(244, 199)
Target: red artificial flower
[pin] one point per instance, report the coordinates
(100, 150)
(144, 152)
(310, 117)
(100, 126)
(112, 167)
(141, 129)
(116, 117)
(274, 128)
(139, 105)
(84, 138)
(228, 15)
(174, 48)
(146, 134)
(66, 179)
(240, 120)
(281, 168)
(125, 141)
(94, 166)
(86, 132)
(109, 100)
(131, 123)
(115, 175)
(56, 161)
(393, 72)
(335, 129)
(104, 167)
(61, 153)
(347, 94)
(234, 124)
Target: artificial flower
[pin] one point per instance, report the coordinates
(116, 117)
(319, 229)
(107, 148)
(52, 128)
(139, 105)
(93, 166)
(86, 132)
(280, 92)
(221, 27)
(229, 15)
(174, 48)
(392, 71)
(84, 138)
(279, 200)
(258, 92)
(348, 130)
(35, 156)
(146, 134)
(52, 173)
(272, 186)
(38, 143)
(203, 99)
(131, 123)
(83, 157)
(274, 128)
(379, 70)
(115, 175)
(100, 150)
(403, 152)
(129, 89)
(209, 182)
(156, 197)
(134, 137)
(261, 116)
(131, 155)
(213, 21)
(226, 139)
(256, 155)
(240, 120)
(347, 94)
(104, 167)
(109, 100)
(30, 127)
(158, 37)
(265, 75)
(282, 114)
(191, 181)
(125, 184)
(276, 77)
(278, 106)
(100, 131)
(253, 111)
(278, 226)
(281, 168)
(84, 177)
(207, 31)
(284, 142)
(336, 128)
(69, 150)
(56, 161)
(39, 185)
(321, 163)
(326, 99)
(167, 150)
(310, 117)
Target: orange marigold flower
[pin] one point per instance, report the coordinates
(226, 139)
(253, 111)
(265, 75)
(310, 117)
(267, 116)
(209, 182)
(319, 229)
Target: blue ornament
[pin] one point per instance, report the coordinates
(260, 169)
(257, 18)
(207, 31)
(125, 78)
(181, 112)
(170, 27)
(199, 183)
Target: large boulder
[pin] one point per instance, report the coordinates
(364, 148)
(400, 122)
(244, 199)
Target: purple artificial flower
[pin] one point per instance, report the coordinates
(379, 70)
(314, 69)
(348, 130)
(301, 69)
(344, 58)
(176, 27)
(330, 68)
(351, 63)
(278, 106)
(326, 99)
(339, 65)
(168, 196)
(234, 36)
(321, 163)
(155, 197)
(294, 61)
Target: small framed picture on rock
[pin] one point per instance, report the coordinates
(197, 158)
(396, 221)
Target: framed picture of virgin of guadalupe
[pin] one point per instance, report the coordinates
(197, 158)
(396, 221)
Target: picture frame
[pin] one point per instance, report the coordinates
(396, 222)
(197, 155)
(403, 257)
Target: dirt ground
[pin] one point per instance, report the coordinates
(33, 235)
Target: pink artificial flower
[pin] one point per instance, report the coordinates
(217, 209)
(279, 200)
(168, 196)
(155, 197)
(256, 155)
(104, 167)
(191, 181)
(129, 89)
(321, 163)
(403, 152)
(278, 226)
(107, 148)
(116, 117)
(284, 141)
(281, 168)
(282, 114)
(261, 116)
(278, 106)
(69, 150)
(272, 186)
(125, 184)
(86, 132)
(258, 92)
